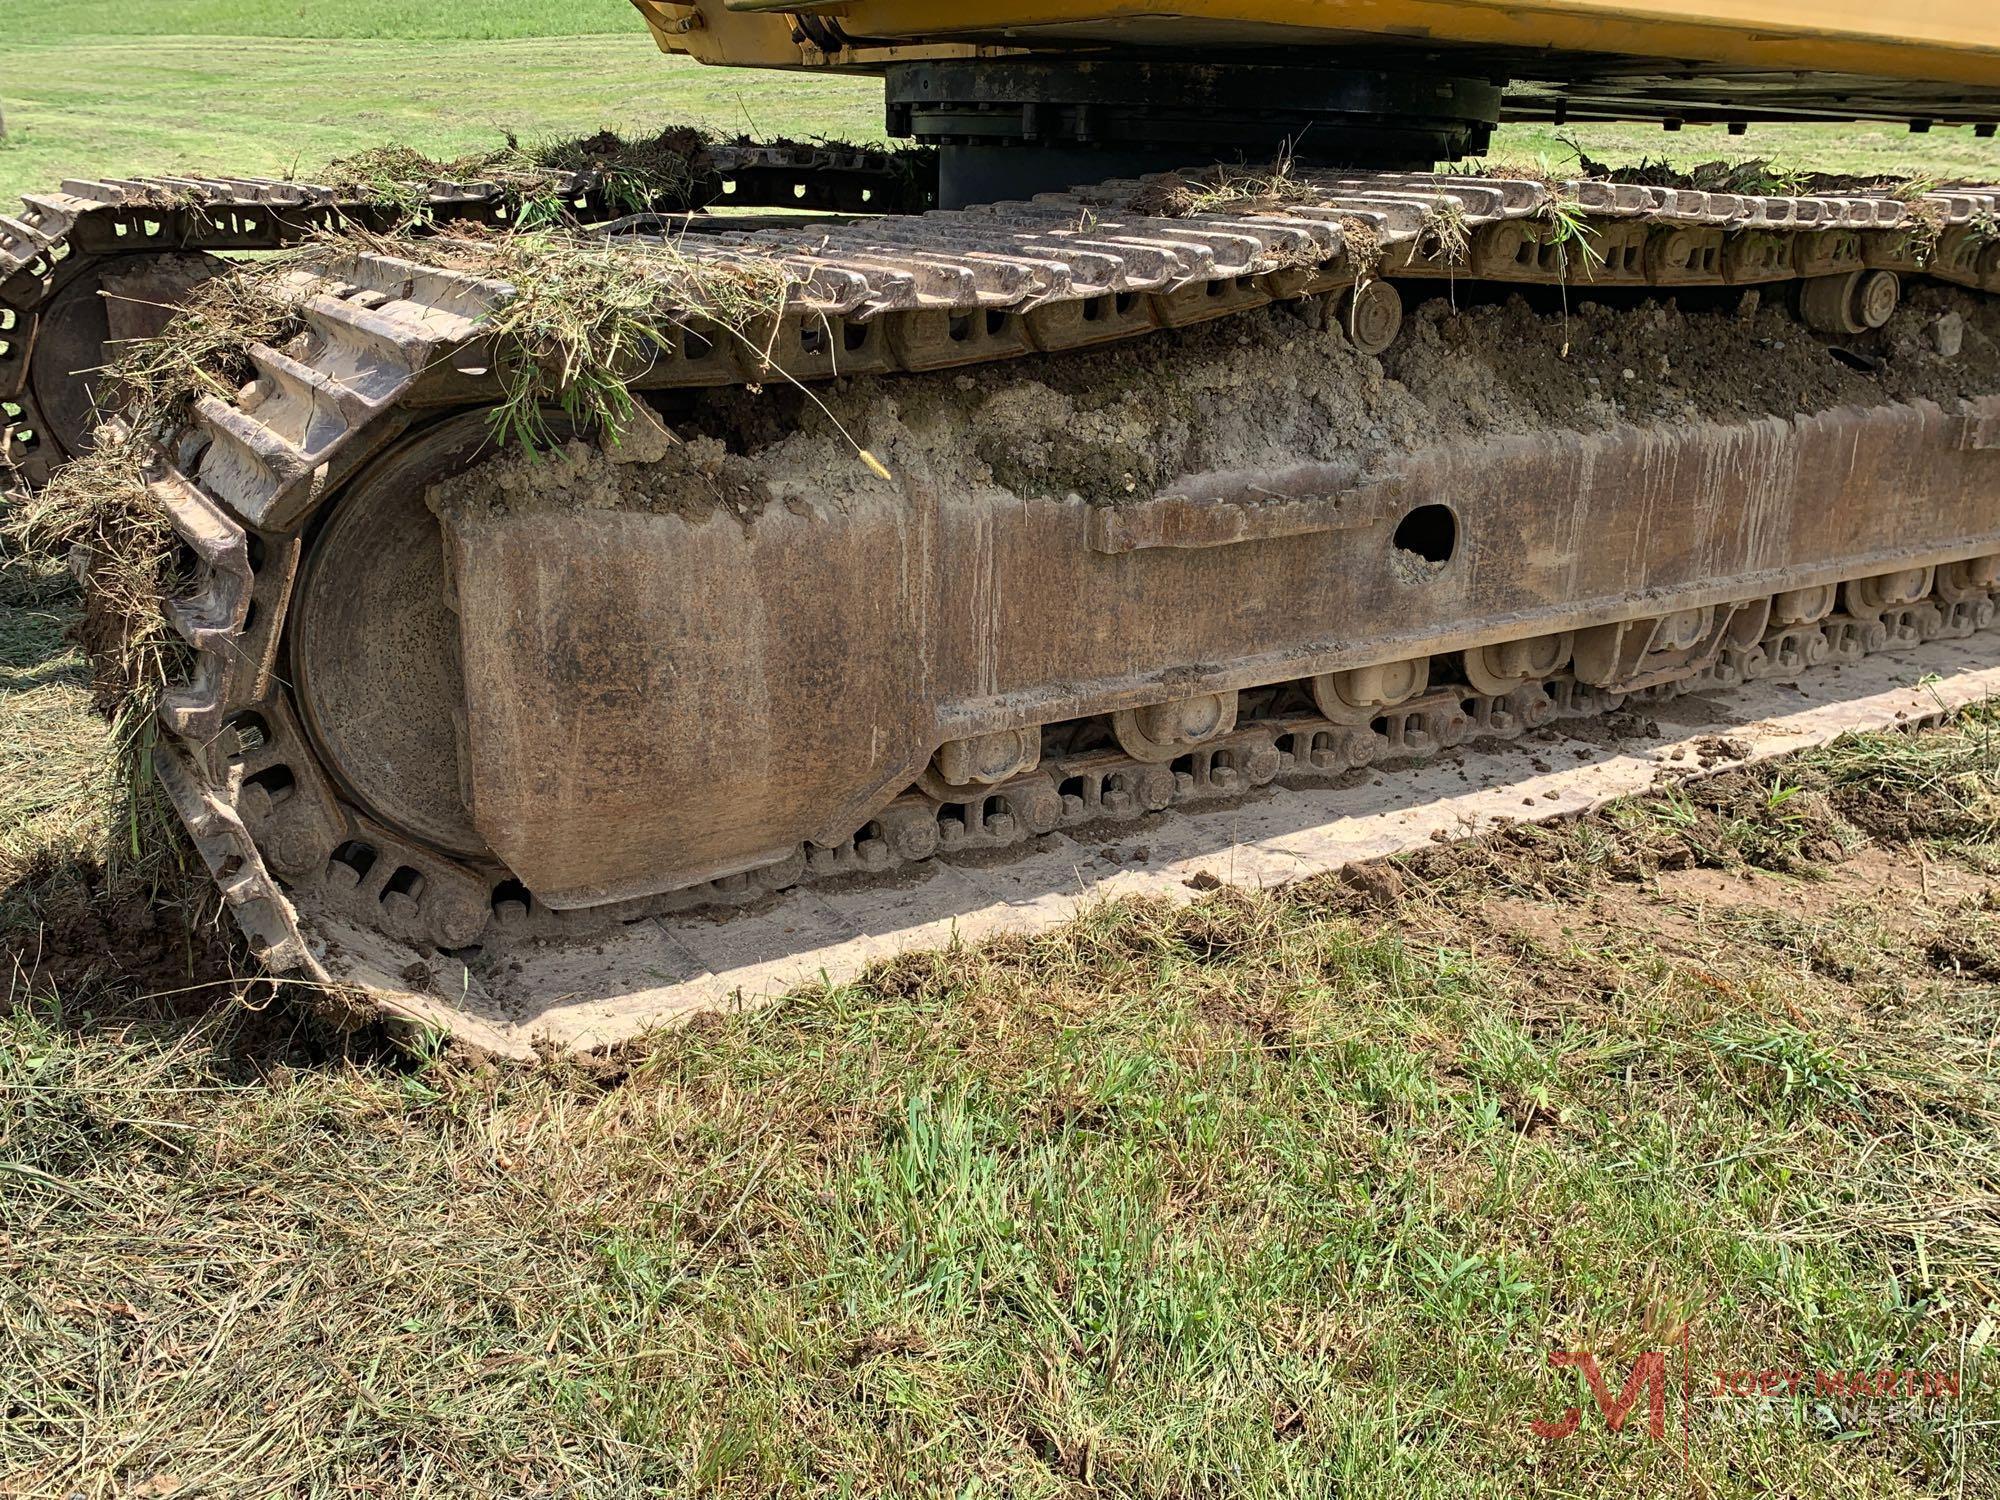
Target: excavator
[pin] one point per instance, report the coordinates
(1187, 414)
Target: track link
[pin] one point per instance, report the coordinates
(389, 340)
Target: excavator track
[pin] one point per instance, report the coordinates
(107, 258)
(925, 715)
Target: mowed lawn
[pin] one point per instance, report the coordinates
(1284, 1195)
(279, 89)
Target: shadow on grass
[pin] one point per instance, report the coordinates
(108, 922)
(44, 674)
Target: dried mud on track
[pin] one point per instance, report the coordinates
(1268, 389)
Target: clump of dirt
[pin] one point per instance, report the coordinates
(1272, 388)
(1658, 362)
(641, 171)
(1374, 885)
(1743, 818)
(670, 157)
(670, 153)
(77, 929)
(1757, 175)
(695, 478)
(1278, 387)
(1182, 195)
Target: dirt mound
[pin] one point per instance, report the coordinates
(1278, 386)
(75, 930)
(694, 478)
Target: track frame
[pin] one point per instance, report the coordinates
(389, 340)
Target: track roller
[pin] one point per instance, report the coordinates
(1162, 732)
(1851, 303)
(983, 760)
(1371, 315)
(1498, 670)
(1366, 693)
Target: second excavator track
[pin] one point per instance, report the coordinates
(165, 232)
(327, 888)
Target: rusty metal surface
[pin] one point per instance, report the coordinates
(717, 710)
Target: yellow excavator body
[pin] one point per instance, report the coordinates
(1945, 41)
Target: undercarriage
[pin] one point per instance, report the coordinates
(1002, 522)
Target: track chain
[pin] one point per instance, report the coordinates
(390, 338)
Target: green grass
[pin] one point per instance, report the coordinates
(1276, 1195)
(50, 742)
(407, 20)
(1862, 148)
(287, 107)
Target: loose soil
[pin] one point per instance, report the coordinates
(1277, 387)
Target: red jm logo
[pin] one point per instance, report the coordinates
(1648, 1379)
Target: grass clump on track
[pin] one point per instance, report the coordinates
(636, 175)
(97, 515)
(1184, 195)
(651, 172)
(1271, 1195)
(585, 318)
(122, 856)
(662, 172)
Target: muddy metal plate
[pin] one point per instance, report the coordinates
(660, 971)
(654, 700)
